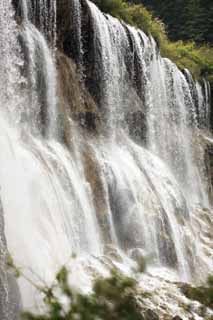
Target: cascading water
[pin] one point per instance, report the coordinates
(100, 191)
(203, 103)
(63, 211)
(10, 61)
(75, 15)
(42, 114)
(110, 42)
(171, 134)
(44, 15)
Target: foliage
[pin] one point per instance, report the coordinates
(198, 59)
(189, 20)
(11, 266)
(118, 8)
(203, 294)
(113, 298)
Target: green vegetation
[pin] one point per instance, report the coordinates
(189, 20)
(112, 299)
(198, 59)
(203, 294)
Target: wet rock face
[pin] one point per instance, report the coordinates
(94, 177)
(71, 27)
(75, 39)
(74, 100)
(209, 165)
(211, 113)
(210, 152)
(150, 315)
(137, 124)
(64, 28)
(10, 304)
(17, 7)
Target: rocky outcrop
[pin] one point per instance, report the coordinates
(99, 191)
(68, 28)
(74, 100)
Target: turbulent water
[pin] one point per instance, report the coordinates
(141, 184)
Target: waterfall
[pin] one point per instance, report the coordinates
(109, 40)
(203, 94)
(75, 14)
(173, 123)
(42, 89)
(138, 184)
(10, 61)
(44, 15)
(42, 114)
(167, 99)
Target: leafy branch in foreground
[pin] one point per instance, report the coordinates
(113, 298)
